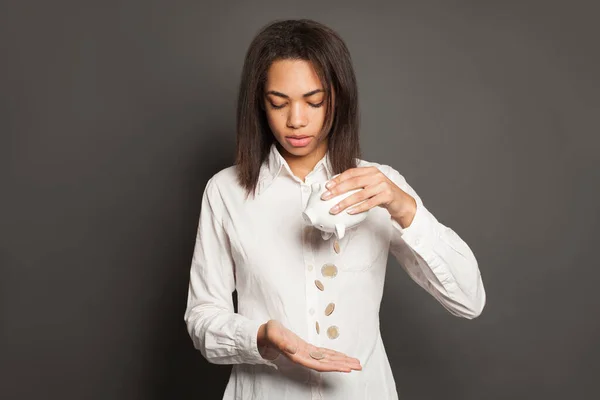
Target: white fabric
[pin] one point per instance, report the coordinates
(262, 247)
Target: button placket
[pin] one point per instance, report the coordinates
(312, 291)
(314, 287)
(316, 391)
(315, 383)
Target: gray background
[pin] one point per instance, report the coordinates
(114, 114)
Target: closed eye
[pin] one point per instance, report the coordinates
(276, 107)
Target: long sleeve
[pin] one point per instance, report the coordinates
(437, 259)
(221, 335)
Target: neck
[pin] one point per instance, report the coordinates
(302, 165)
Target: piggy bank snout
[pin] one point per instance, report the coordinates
(309, 216)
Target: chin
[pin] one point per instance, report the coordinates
(299, 151)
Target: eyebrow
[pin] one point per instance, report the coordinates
(285, 96)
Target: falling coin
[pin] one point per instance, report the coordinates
(329, 309)
(336, 246)
(319, 284)
(318, 328)
(317, 355)
(333, 332)
(329, 270)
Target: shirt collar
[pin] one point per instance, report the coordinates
(275, 163)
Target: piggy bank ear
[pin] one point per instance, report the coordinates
(340, 230)
(316, 187)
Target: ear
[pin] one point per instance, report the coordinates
(340, 230)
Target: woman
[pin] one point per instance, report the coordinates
(308, 319)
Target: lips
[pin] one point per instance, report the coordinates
(298, 141)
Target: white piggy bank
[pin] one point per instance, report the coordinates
(317, 213)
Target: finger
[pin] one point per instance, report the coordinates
(344, 361)
(337, 359)
(334, 355)
(288, 342)
(342, 364)
(350, 173)
(333, 366)
(349, 361)
(358, 182)
(318, 365)
(332, 352)
(338, 366)
(379, 199)
(304, 358)
(286, 345)
(355, 198)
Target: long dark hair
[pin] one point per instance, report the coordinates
(300, 39)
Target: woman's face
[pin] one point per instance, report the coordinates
(295, 105)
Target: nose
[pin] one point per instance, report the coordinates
(297, 117)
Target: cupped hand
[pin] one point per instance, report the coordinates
(273, 335)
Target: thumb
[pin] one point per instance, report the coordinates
(290, 348)
(285, 340)
(289, 345)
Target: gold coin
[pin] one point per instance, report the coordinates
(329, 270)
(319, 284)
(336, 246)
(318, 328)
(329, 309)
(317, 355)
(333, 332)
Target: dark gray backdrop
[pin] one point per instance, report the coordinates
(114, 114)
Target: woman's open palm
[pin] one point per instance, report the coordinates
(299, 351)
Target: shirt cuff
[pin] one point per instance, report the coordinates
(245, 339)
(421, 233)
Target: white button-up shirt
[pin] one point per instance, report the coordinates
(263, 248)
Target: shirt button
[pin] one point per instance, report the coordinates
(417, 241)
(310, 267)
(305, 189)
(311, 311)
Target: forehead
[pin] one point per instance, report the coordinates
(292, 77)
